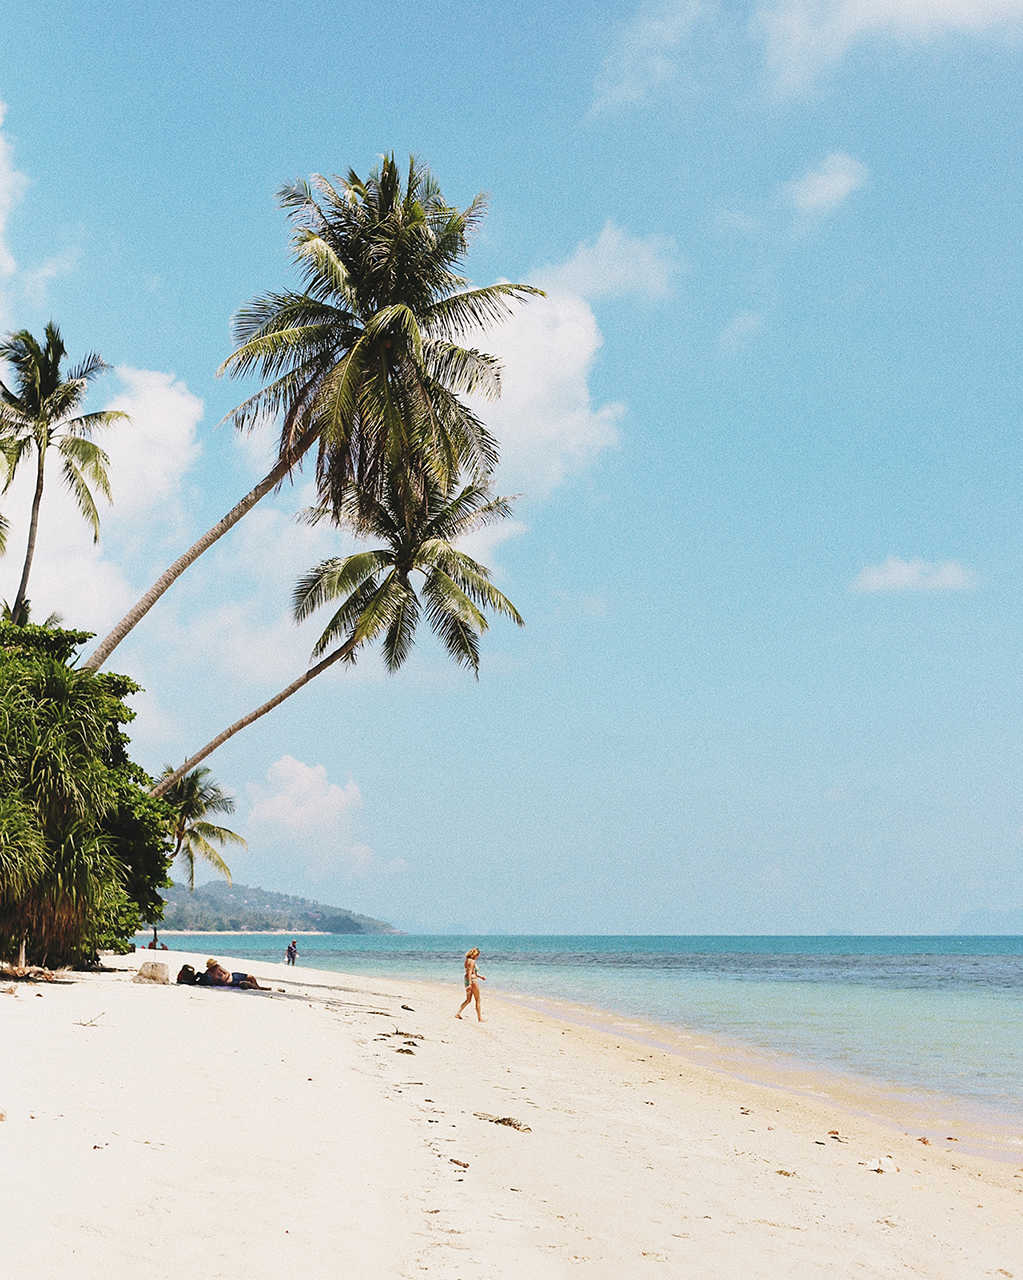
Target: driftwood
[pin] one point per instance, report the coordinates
(510, 1121)
(28, 973)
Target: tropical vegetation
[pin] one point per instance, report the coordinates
(365, 360)
(193, 797)
(40, 411)
(84, 849)
(218, 907)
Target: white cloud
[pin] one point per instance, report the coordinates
(546, 421)
(644, 56)
(35, 281)
(895, 574)
(615, 264)
(12, 187)
(740, 330)
(150, 454)
(805, 37)
(823, 189)
(300, 802)
(87, 582)
(300, 797)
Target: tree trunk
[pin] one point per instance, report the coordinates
(270, 481)
(166, 783)
(33, 527)
(21, 951)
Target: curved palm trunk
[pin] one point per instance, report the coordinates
(33, 527)
(270, 481)
(165, 783)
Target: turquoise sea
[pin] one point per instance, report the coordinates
(941, 1014)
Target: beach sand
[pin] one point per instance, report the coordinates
(197, 1134)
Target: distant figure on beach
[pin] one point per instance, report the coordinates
(217, 976)
(292, 951)
(473, 978)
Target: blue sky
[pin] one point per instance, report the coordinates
(765, 427)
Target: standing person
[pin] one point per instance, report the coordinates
(292, 951)
(473, 978)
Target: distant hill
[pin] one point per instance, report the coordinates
(220, 907)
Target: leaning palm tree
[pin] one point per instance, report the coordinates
(364, 360)
(192, 797)
(377, 589)
(40, 411)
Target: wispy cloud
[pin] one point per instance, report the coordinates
(35, 281)
(12, 187)
(805, 37)
(740, 330)
(616, 263)
(29, 283)
(645, 52)
(301, 797)
(896, 574)
(299, 801)
(823, 189)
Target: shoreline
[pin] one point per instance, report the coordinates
(366, 1124)
(991, 1131)
(249, 933)
(995, 1127)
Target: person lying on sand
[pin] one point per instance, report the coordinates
(217, 976)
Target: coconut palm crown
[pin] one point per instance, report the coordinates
(192, 797)
(367, 353)
(379, 595)
(40, 410)
(382, 592)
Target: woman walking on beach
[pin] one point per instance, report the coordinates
(472, 983)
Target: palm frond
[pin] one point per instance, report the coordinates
(332, 579)
(401, 631)
(463, 370)
(456, 634)
(475, 309)
(83, 498)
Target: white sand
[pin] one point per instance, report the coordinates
(226, 1135)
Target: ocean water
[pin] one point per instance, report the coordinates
(940, 1014)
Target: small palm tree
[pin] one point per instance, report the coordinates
(41, 411)
(192, 797)
(377, 589)
(365, 360)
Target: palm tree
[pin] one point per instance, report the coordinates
(378, 593)
(42, 411)
(192, 797)
(24, 615)
(363, 360)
